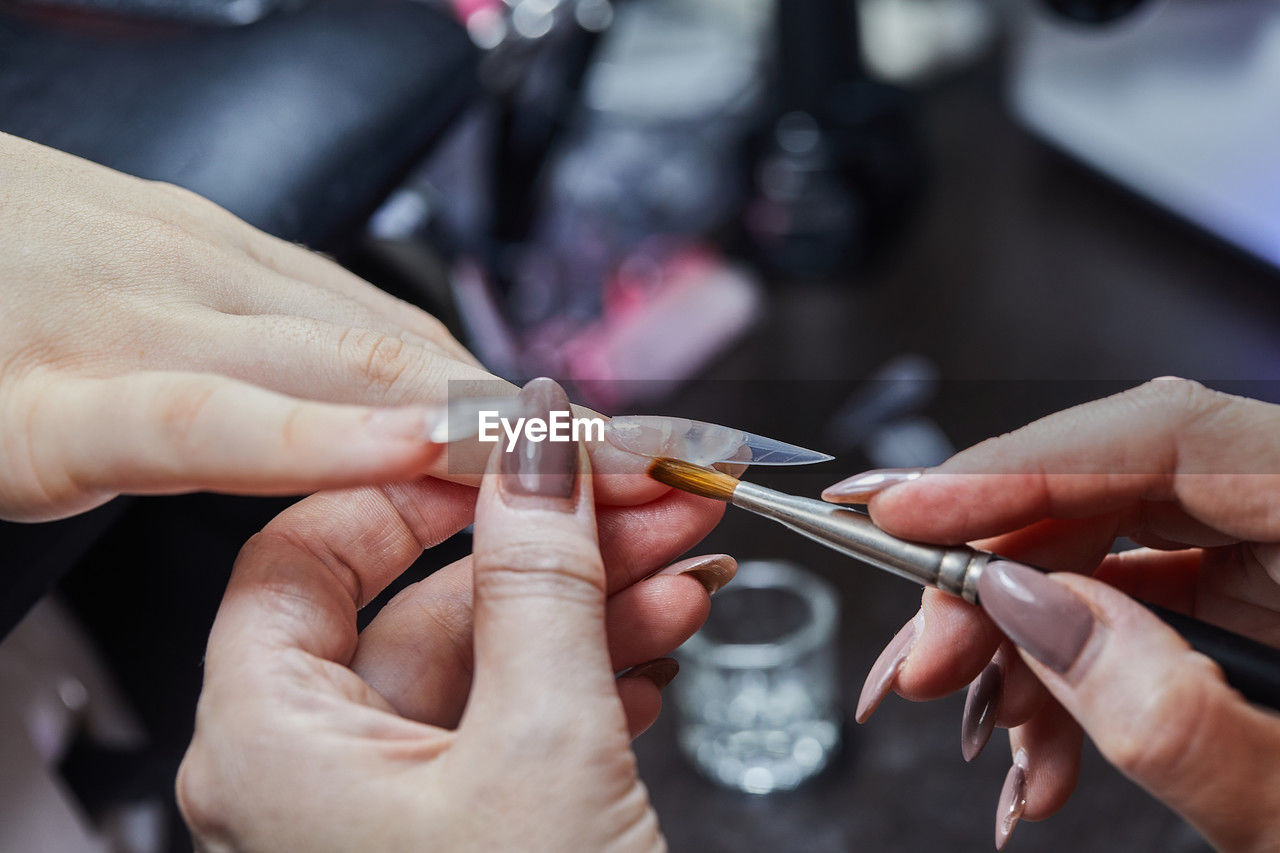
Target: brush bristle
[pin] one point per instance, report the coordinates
(695, 479)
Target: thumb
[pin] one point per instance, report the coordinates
(539, 581)
(1159, 711)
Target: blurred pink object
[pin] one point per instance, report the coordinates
(656, 334)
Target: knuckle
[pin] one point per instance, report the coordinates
(197, 792)
(1176, 725)
(1178, 397)
(179, 410)
(35, 476)
(382, 361)
(544, 569)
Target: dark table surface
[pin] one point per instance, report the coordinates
(1032, 284)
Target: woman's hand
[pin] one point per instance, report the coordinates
(150, 342)
(440, 725)
(1192, 474)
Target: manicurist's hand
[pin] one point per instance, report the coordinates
(442, 725)
(150, 342)
(1192, 474)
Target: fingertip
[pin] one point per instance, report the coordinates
(640, 690)
(956, 643)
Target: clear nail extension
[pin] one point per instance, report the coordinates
(702, 443)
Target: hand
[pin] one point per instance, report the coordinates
(310, 736)
(1190, 473)
(150, 342)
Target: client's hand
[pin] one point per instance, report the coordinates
(410, 735)
(1190, 473)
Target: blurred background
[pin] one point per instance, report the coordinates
(885, 229)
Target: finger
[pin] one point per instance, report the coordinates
(1044, 771)
(640, 689)
(1053, 741)
(417, 652)
(1159, 711)
(539, 588)
(298, 584)
(957, 640)
(1005, 693)
(173, 432)
(348, 364)
(1022, 695)
(1168, 440)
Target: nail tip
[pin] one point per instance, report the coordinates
(660, 672)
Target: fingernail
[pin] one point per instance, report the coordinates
(1039, 614)
(854, 489)
(440, 424)
(661, 671)
(415, 424)
(981, 706)
(544, 470)
(886, 668)
(713, 571)
(1013, 799)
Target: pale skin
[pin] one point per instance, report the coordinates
(1190, 473)
(498, 726)
(152, 343)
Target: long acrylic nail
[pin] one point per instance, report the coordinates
(712, 571)
(1013, 799)
(981, 706)
(859, 487)
(1039, 614)
(661, 671)
(545, 470)
(885, 670)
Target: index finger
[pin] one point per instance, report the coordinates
(1172, 440)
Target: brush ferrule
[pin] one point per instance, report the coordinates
(952, 569)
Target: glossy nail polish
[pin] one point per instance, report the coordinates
(1013, 799)
(885, 670)
(661, 671)
(1036, 612)
(712, 571)
(860, 487)
(545, 471)
(981, 706)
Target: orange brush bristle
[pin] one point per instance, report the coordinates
(695, 479)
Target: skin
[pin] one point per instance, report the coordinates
(152, 343)
(1190, 473)
(498, 726)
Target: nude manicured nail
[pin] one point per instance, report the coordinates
(860, 486)
(981, 706)
(415, 424)
(661, 671)
(546, 470)
(1013, 799)
(885, 670)
(1036, 612)
(712, 571)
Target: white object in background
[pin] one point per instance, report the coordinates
(913, 41)
(1180, 102)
